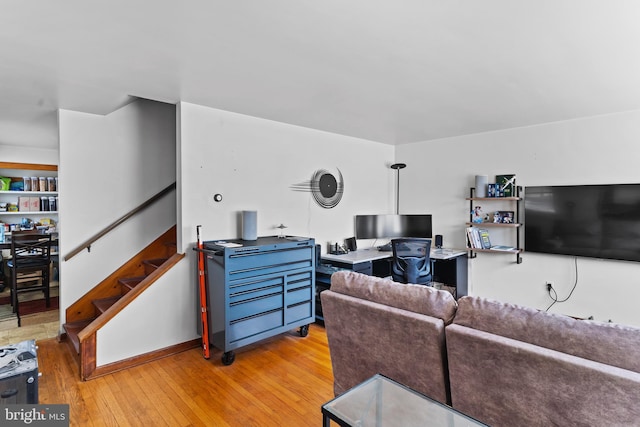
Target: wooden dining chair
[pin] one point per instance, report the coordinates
(30, 254)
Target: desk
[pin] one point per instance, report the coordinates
(361, 261)
(380, 401)
(449, 265)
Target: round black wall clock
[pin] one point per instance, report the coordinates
(326, 189)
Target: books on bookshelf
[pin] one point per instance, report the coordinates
(473, 240)
(478, 238)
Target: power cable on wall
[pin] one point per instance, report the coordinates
(554, 295)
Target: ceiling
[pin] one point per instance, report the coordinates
(394, 71)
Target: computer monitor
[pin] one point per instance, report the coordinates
(389, 226)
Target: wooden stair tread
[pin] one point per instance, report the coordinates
(73, 329)
(156, 262)
(103, 304)
(156, 258)
(128, 283)
(136, 279)
(150, 265)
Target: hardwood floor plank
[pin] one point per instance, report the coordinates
(161, 397)
(60, 381)
(112, 406)
(187, 406)
(280, 381)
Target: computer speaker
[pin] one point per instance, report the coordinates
(249, 225)
(438, 240)
(350, 243)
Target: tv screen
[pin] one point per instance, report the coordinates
(600, 221)
(388, 226)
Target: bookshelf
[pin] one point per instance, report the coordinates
(507, 220)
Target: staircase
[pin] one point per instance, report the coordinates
(94, 310)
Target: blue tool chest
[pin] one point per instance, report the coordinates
(258, 289)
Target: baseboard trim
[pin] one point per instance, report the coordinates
(120, 365)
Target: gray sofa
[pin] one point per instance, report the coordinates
(503, 364)
(514, 366)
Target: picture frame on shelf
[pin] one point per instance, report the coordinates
(507, 185)
(503, 217)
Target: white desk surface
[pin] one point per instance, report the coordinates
(373, 254)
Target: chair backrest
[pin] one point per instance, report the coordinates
(411, 260)
(30, 249)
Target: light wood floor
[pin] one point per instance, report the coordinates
(34, 326)
(281, 381)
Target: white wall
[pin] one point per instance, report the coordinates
(43, 156)
(254, 162)
(108, 166)
(593, 150)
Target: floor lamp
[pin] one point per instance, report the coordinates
(397, 167)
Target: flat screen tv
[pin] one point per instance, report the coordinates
(388, 226)
(600, 221)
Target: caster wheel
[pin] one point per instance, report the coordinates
(228, 358)
(304, 330)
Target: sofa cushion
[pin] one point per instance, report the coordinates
(607, 343)
(416, 298)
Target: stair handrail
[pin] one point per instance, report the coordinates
(87, 243)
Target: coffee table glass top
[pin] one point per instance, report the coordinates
(380, 401)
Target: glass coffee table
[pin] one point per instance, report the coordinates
(380, 401)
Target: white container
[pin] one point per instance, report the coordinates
(249, 225)
(481, 185)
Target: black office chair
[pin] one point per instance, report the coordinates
(411, 260)
(31, 260)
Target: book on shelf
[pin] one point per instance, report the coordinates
(502, 248)
(478, 238)
(470, 241)
(485, 241)
(473, 237)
